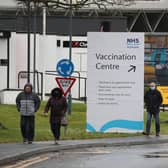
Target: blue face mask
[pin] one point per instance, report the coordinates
(152, 87)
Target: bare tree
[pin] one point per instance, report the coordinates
(75, 4)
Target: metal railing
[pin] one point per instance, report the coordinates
(77, 76)
(39, 82)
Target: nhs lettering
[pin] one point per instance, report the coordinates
(133, 42)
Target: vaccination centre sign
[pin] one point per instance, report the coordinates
(115, 82)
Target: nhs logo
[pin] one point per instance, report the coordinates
(133, 43)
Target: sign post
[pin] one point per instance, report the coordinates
(65, 68)
(115, 83)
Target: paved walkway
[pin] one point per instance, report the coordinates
(15, 151)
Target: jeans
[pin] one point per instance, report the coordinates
(27, 127)
(157, 122)
(56, 129)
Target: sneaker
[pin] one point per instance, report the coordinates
(157, 134)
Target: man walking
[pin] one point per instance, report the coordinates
(27, 104)
(153, 100)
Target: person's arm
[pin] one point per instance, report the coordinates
(18, 98)
(37, 102)
(47, 107)
(146, 98)
(160, 99)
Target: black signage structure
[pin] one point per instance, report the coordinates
(5, 34)
(60, 24)
(6, 62)
(3, 62)
(75, 44)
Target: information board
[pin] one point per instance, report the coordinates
(115, 82)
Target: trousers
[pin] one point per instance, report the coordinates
(27, 127)
(157, 122)
(56, 129)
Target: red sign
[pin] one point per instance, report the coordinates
(75, 44)
(65, 84)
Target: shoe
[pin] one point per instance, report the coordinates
(157, 134)
(24, 140)
(56, 143)
(29, 142)
(144, 133)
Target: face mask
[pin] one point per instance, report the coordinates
(56, 94)
(152, 87)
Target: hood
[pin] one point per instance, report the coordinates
(56, 92)
(30, 85)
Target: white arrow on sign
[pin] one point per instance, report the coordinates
(65, 84)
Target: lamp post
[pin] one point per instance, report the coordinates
(70, 54)
(28, 41)
(34, 58)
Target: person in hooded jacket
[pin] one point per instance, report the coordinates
(27, 104)
(58, 106)
(153, 100)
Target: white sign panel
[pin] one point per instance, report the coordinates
(115, 82)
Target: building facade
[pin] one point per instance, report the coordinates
(46, 50)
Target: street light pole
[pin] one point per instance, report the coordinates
(44, 21)
(28, 41)
(34, 59)
(70, 54)
(70, 32)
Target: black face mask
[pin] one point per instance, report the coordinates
(56, 94)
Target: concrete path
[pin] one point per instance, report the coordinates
(14, 151)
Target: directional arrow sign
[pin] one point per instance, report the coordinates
(65, 67)
(65, 84)
(133, 68)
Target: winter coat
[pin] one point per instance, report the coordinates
(58, 108)
(153, 100)
(27, 103)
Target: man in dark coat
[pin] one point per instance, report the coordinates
(153, 100)
(27, 104)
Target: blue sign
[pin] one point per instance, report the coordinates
(65, 67)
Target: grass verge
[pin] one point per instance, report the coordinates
(10, 119)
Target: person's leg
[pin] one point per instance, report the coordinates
(30, 130)
(58, 130)
(148, 123)
(55, 128)
(157, 123)
(23, 126)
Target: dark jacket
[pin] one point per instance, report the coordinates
(27, 103)
(58, 108)
(153, 100)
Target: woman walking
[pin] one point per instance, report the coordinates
(58, 106)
